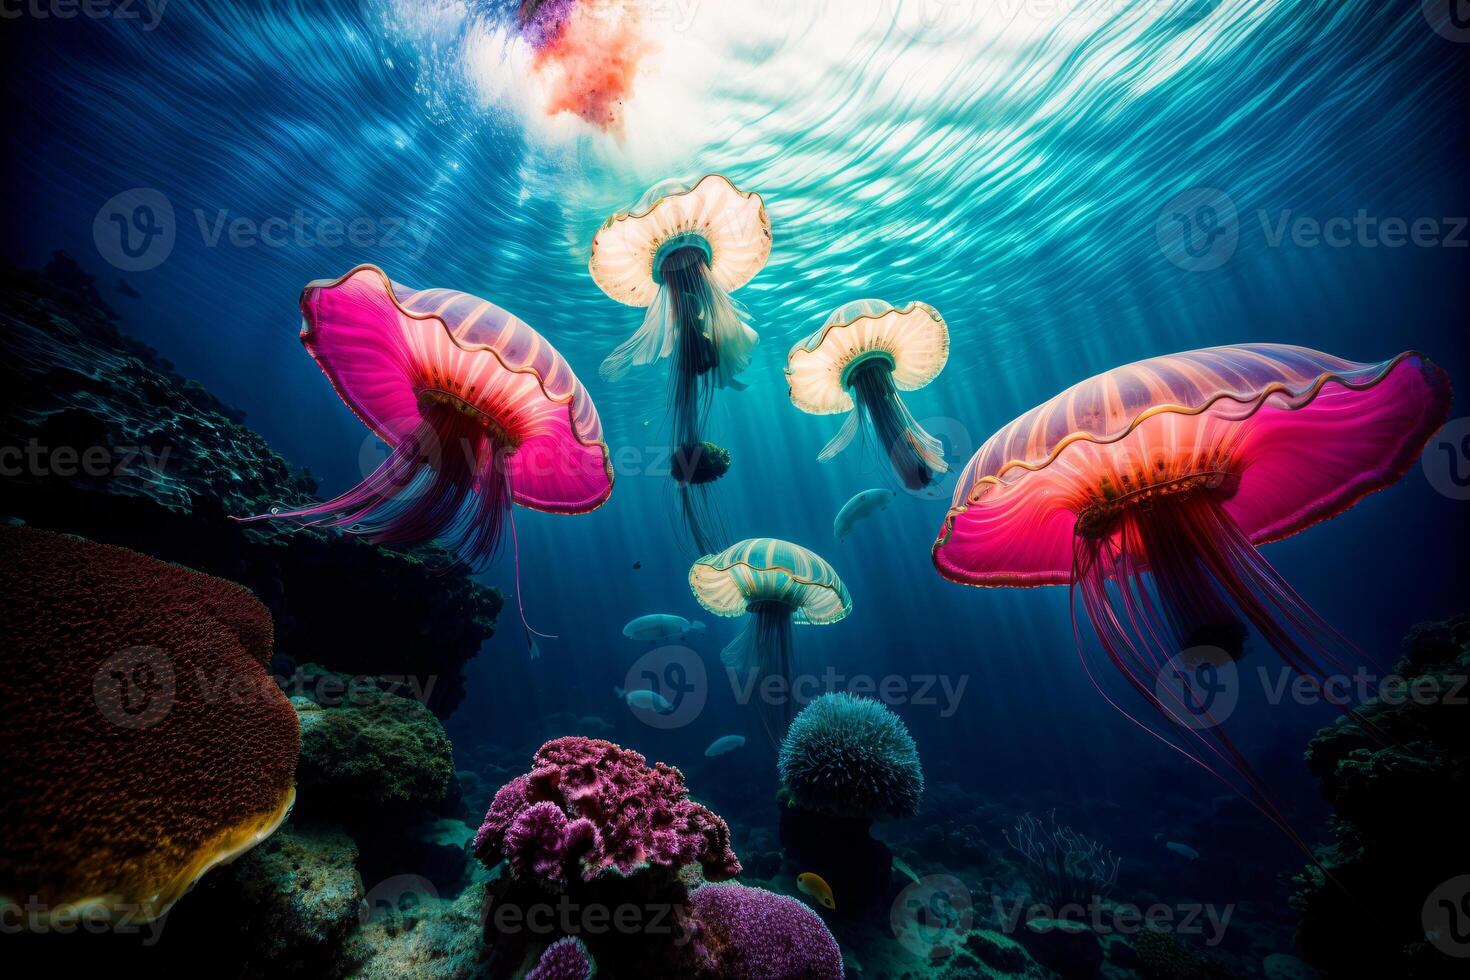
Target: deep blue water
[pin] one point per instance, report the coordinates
(1008, 168)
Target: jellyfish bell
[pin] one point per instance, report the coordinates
(1148, 489)
(776, 584)
(858, 362)
(479, 412)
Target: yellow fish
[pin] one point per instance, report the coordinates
(814, 886)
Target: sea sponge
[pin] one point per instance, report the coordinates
(753, 933)
(147, 742)
(851, 757)
(565, 959)
(589, 807)
(370, 752)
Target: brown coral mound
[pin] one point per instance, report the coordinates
(145, 741)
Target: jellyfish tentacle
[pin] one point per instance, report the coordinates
(916, 456)
(446, 480)
(842, 439)
(654, 339)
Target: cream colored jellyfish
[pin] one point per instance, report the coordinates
(864, 355)
(777, 584)
(680, 251)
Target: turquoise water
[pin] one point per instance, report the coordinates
(1019, 166)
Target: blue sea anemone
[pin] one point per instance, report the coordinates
(851, 757)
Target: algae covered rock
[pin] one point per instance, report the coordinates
(298, 897)
(369, 752)
(1401, 796)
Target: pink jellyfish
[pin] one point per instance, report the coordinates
(478, 410)
(1172, 471)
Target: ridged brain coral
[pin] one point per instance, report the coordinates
(851, 757)
(751, 932)
(589, 807)
(147, 743)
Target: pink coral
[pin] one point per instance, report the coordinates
(565, 959)
(589, 807)
(756, 933)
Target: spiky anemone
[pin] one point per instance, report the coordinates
(847, 756)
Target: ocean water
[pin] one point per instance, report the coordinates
(1015, 165)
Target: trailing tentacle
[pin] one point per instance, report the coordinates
(916, 456)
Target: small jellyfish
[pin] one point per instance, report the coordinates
(680, 251)
(864, 355)
(1148, 489)
(776, 584)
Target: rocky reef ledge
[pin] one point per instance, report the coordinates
(100, 437)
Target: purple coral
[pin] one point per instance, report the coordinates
(588, 807)
(756, 933)
(565, 959)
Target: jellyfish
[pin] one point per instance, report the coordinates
(680, 251)
(864, 355)
(1148, 490)
(776, 584)
(479, 412)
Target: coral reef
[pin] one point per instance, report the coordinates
(594, 826)
(565, 959)
(150, 743)
(119, 448)
(1400, 790)
(589, 807)
(753, 933)
(851, 757)
(1161, 956)
(371, 751)
(1066, 868)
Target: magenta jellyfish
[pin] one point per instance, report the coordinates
(862, 357)
(479, 412)
(680, 251)
(1149, 489)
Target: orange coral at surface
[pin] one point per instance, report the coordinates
(145, 741)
